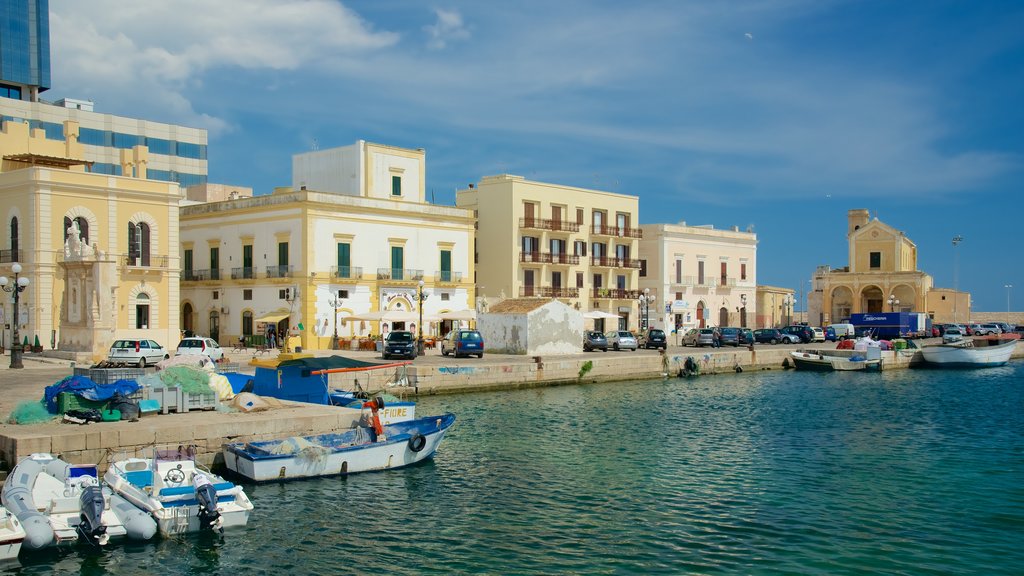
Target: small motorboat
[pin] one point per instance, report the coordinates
(970, 353)
(179, 495)
(819, 362)
(60, 503)
(361, 449)
(11, 535)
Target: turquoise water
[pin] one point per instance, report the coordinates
(903, 472)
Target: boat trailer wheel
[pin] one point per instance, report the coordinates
(175, 476)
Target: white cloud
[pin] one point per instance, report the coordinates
(448, 27)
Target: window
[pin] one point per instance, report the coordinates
(579, 218)
(876, 260)
(643, 267)
(247, 323)
(622, 252)
(531, 244)
(725, 273)
(14, 239)
(743, 271)
(579, 279)
(188, 263)
(397, 262)
(445, 297)
(679, 271)
(446, 265)
(247, 271)
(216, 294)
(598, 281)
(282, 254)
(597, 250)
(396, 185)
(557, 246)
(214, 263)
(700, 272)
(620, 282)
(556, 279)
(579, 248)
(142, 311)
(342, 293)
(138, 244)
(247, 294)
(344, 260)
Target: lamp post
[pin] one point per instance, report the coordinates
(787, 301)
(420, 298)
(743, 309)
(16, 288)
(335, 302)
(645, 308)
(1008, 287)
(893, 302)
(956, 270)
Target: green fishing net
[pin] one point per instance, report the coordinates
(190, 380)
(30, 412)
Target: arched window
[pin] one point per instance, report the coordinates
(14, 240)
(142, 311)
(138, 244)
(83, 228)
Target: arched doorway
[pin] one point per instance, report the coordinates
(701, 320)
(723, 316)
(872, 300)
(842, 304)
(186, 318)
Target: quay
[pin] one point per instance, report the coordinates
(431, 374)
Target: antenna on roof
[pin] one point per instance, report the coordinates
(316, 144)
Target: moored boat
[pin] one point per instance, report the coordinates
(970, 353)
(361, 449)
(11, 535)
(818, 362)
(179, 495)
(61, 503)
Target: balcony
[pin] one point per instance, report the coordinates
(280, 271)
(204, 275)
(615, 294)
(602, 230)
(353, 272)
(447, 276)
(548, 292)
(144, 261)
(243, 273)
(12, 255)
(399, 274)
(552, 225)
(612, 262)
(549, 258)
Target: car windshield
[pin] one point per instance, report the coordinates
(625, 335)
(400, 337)
(470, 336)
(657, 333)
(595, 335)
(124, 344)
(707, 331)
(730, 331)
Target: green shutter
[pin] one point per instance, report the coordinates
(214, 258)
(344, 260)
(188, 260)
(282, 253)
(446, 265)
(397, 262)
(396, 185)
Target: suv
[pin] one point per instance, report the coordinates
(463, 343)
(652, 338)
(804, 333)
(989, 329)
(594, 340)
(399, 343)
(200, 345)
(138, 352)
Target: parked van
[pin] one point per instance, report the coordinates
(842, 331)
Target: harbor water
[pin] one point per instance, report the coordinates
(901, 472)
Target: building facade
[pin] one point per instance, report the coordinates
(536, 239)
(774, 307)
(882, 276)
(697, 276)
(302, 261)
(24, 49)
(100, 251)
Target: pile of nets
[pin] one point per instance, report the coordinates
(388, 399)
(302, 448)
(30, 412)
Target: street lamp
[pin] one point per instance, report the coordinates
(956, 270)
(16, 288)
(335, 302)
(1008, 287)
(893, 302)
(420, 298)
(743, 307)
(787, 301)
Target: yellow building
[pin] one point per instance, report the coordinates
(774, 306)
(547, 240)
(99, 250)
(882, 276)
(303, 261)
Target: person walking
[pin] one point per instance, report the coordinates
(717, 337)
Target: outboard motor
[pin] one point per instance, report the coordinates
(92, 503)
(206, 495)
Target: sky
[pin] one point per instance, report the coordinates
(776, 115)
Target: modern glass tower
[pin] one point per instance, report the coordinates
(24, 48)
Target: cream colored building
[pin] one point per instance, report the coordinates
(697, 276)
(536, 239)
(882, 276)
(100, 251)
(774, 307)
(310, 258)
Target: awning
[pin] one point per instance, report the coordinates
(599, 314)
(273, 317)
(459, 315)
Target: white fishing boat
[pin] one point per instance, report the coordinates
(178, 494)
(820, 362)
(60, 503)
(11, 535)
(361, 449)
(970, 353)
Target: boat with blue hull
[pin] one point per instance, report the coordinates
(361, 449)
(970, 353)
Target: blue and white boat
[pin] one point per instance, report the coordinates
(178, 494)
(361, 449)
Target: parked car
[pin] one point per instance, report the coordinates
(952, 335)
(200, 345)
(1006, 328)
(976, 330)
(463, 343)
(699, 337)
(804, 333)
(652, 338)
(842, 331)
(1019, 330)
(594, 340)
(621, 339)
(138, 352)
(989, 329)
(746, 336)
(399, 343)
(730, 336)
(819, 334)
(769, 336)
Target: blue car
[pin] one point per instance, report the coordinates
(830, 334)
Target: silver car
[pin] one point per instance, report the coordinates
(989, 329)
(699, 337)
(621, 339)
(139, 352)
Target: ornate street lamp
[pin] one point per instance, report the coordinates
(893, 302)
(420, 298)
(645, 300)
(335, 302)
(16, 288)
(743, 308)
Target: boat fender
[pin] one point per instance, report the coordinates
(137, 524)
(417, 442)
(17, 498)
(738, 369)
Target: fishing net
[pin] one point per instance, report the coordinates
(302, 448)
(30, 412)
(190, 380)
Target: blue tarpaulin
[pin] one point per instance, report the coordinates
(86, 388)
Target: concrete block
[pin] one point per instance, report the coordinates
(67, 443)
(137, 438)
(30, 445)
(93, 440)
(109, 439)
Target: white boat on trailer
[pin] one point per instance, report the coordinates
(178, 494)
(361, 449)
(970, 353)
(59, 503)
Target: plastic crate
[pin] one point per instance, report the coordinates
(110, 375)
(173, 400)
(70, 401)
(227, 367)
(201, 401)
(169, 398)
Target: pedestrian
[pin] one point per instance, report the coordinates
(717, 336)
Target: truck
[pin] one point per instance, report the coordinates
(883, 325)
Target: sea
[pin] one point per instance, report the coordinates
(768, 472)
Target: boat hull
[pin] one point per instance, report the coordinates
(959, 356)
(808, 361)
(341, 454)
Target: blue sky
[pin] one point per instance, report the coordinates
(780, 114)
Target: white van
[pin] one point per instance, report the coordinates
(843, 331)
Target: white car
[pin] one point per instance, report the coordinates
(200, 345)
(819, 334)
(952, 335)
(138, 352)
